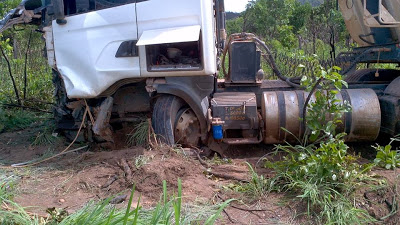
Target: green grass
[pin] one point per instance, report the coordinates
(142, 160)
(169, 210)
(258, 186)
(139, 136)
(46, 136)
(386, 156)
(11, 120)
(39, 88)
(10, 212)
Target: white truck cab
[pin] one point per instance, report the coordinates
(154, 38)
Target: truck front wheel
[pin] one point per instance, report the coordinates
(175, 122)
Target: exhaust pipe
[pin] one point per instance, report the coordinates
(220, 17)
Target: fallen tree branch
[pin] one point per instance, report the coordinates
(110, 181)
(225, 176)
(229, 217)
(26, 107)
(127, 170)
(38, 101)
(219, 175)
(247, 210)
(118, 199)
(202, 162)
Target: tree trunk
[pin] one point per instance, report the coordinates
(11, 76)
(15, 48)
(26, 62)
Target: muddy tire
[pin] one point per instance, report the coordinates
(165, 112)
(175, 122)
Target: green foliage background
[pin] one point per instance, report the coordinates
(15, 44)
(292, 25)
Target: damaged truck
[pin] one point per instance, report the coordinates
(124, 57)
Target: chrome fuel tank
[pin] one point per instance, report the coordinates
(283, 109)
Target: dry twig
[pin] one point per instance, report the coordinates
(127, 170)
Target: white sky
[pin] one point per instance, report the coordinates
(235, 5)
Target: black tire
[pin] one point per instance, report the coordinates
(165, 112)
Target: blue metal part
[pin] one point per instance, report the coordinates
(218, 133)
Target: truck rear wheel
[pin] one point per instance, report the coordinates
(174, 122)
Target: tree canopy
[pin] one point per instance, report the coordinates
(309, 25)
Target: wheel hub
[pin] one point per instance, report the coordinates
(187, 128)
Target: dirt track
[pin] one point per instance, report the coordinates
(71, 180)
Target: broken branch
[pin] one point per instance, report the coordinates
(110, 181)
(26, 107)
(26, 62)
(127, 170)
(226, 176)
(11, 76)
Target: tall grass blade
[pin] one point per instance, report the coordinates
(178, 203)
(128, 208)
(135, 219)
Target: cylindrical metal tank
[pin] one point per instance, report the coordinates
(283, 109)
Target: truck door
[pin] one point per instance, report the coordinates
(97, 46)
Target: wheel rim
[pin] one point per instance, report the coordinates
(187, 128)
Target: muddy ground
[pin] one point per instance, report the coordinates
(72, 180)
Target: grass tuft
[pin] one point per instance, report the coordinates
(46, 136)
(169, 211)
(139, 136)
(258, 186)
(11, 120)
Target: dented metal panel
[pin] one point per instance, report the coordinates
(86, 46)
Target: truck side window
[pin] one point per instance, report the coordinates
(69, 7)
(72, 7)
(103, 4)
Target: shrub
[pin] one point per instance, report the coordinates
(322, 174)
(386, 157)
